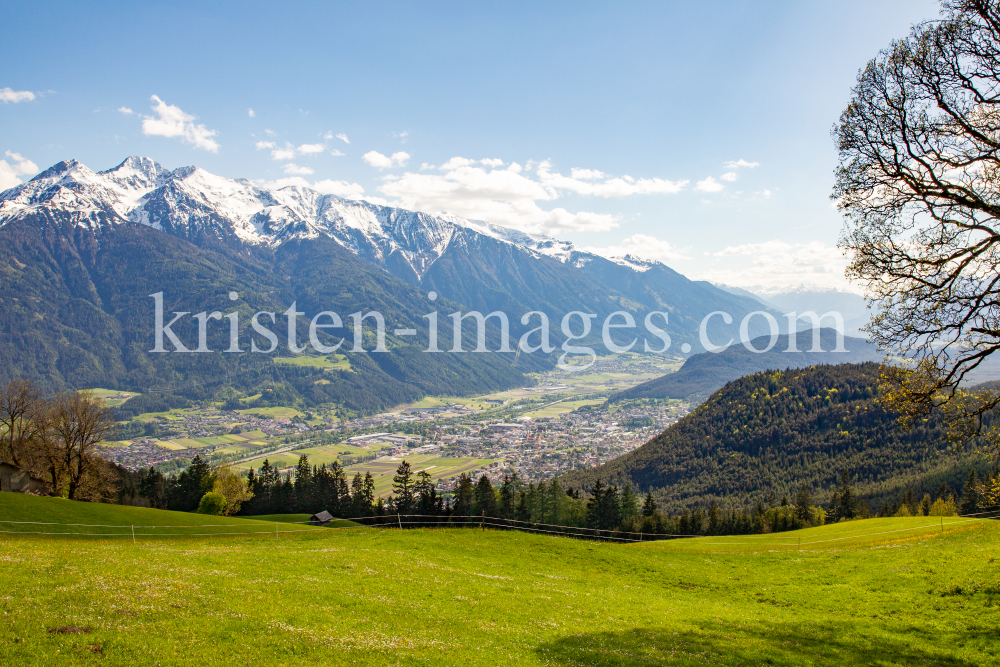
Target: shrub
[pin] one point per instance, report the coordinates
(212, 503)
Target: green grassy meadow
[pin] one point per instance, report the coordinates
(470, 597)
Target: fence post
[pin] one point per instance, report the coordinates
(275, 530)
(942, 523)
(133, 534)
(399, 521)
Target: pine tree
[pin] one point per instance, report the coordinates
(649, 505)
(970, 494)
(713, 519)
(846, 509)
(427, 498)
(402, 487)
(629, 504)
(508, 496)
(303, 484)
(485, 499)
(803, 503)
(465, 493)
(925, 505)
(594, 505)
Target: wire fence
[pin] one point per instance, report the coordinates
(404, 521)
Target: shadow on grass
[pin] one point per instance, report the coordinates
(813, 644)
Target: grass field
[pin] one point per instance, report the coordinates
(272, 412)
(439, 467)
(105, 395)
(562, 407)
(338, 362)
(469, 597)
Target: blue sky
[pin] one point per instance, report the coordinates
(694, 133)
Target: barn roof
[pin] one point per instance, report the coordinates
(321, 516)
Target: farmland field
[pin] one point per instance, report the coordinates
(106, 394)
(338, 362)
(471, 597)
(562, 407)
(317, 455)
(439, 467)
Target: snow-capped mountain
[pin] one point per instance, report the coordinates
(190, 201)
(82, 251)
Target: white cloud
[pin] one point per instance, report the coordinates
(766, 194)
(270, 133)
(126, 111)
(730, 176)
(492, 162)
(610, 187)
(19, 166)
(251, 113)
(585, 174)
(327, 187)
(455, 163)
(336, 153)
(170, 121)
(510, 196)
(376, 159)
(296, 170)
(15, 96)
(309, 149)
(339, 188)
(401, 135)
(709, 185)
(343, 137)
(741, 163)
(290, 151)
(643, 247)
(779, 264)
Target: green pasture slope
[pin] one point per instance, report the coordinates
(468, 597)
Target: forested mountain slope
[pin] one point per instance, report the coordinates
(705, 372)
(762, 435)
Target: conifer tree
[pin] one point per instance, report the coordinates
(846, 507)
(402, 487)
(970, 494)
(485, 503)
(629, 504)
(803, 503)
(465, 494)
(649, 505)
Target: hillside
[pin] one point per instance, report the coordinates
(705, 372)
(764, 434)
(466, 596)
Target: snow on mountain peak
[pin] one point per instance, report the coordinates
(189, 201)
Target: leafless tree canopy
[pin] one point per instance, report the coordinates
(21, 423)
(919, 186)
(55, 439)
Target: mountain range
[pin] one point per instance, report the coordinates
(82, 251)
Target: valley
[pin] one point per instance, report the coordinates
(561, 423)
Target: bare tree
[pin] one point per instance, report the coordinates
(21, 422)
(919, 186)
(77, 423)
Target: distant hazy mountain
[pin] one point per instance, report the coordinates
(802, 298)
(704, 373)
(80, 251)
